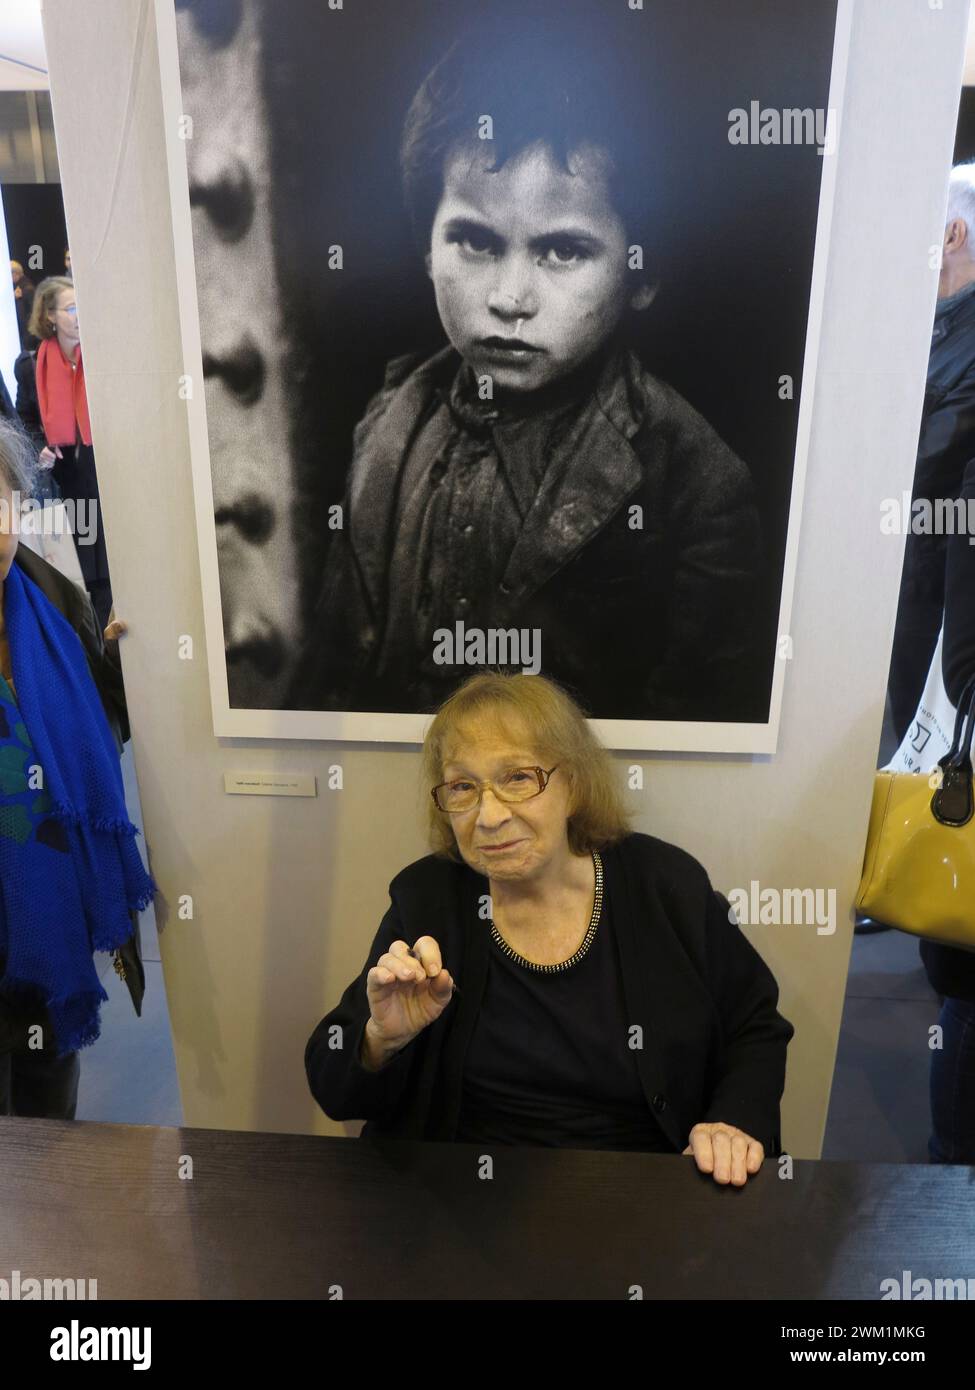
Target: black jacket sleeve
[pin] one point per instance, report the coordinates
(750, 1074)
(105, 667)
(958, 652)
(343, 1087)
(717, 628)
(111, 687)
(341, 633)
(27, 405)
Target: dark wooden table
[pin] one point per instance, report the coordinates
(293, 1216)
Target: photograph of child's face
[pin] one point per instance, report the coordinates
(520, 357)
(529, 263)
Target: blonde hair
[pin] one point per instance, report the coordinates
(554, 725)
(45, 303)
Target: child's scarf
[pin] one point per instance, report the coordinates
(69, 867)
(61, 396)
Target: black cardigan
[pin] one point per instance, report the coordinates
(714, 1045)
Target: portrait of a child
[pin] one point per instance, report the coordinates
(532, 478)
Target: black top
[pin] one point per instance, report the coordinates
(714, 1043)
(549, 1061)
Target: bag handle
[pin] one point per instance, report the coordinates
(964, 703)
(953, 803)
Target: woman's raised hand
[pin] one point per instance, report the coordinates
(406, 993)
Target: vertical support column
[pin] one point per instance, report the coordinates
(243, 340)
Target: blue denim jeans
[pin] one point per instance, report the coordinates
(953, 1085)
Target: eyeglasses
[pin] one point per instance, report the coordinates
(68, 309)
(520, 784)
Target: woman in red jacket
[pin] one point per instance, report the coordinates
(52, 395)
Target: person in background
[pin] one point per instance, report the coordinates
(607, 997)
(27, 416)
(24, 296)
(67, 264)
(947, 442)
(7, 410)
(71, 879)
(52, 402)
(951, 970)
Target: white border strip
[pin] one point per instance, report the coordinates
(817, 295)
(189, 322)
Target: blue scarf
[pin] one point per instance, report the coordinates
(70, 870)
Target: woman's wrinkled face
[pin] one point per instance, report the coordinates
(504, 840)
(9, 534)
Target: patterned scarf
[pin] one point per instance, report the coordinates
(69, 868)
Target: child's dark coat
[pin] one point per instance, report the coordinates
(639, 622)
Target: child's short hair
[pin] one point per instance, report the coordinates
(564, 86)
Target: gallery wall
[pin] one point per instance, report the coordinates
(287, 892)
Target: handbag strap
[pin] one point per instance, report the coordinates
(953, 803)
(963, 710)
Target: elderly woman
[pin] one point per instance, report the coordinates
(71, 878)
(546, 976)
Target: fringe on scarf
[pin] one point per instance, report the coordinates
(65, 814)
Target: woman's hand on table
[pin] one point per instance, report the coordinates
(726, 1153)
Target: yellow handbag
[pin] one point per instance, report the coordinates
(919, 863)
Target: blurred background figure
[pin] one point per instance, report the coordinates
(53, 404)
(946, 443)
(951, 970)
(24, 295)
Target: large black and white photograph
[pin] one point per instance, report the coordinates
(499, 326)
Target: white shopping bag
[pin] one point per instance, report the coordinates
(930, 735)
(47, 531)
